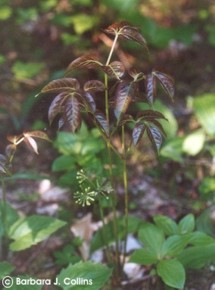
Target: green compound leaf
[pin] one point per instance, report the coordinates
(152, 238)
(143, 257)
(198, 256)
(172, 273)
(187, 224)
(168, 226)
(84, 275)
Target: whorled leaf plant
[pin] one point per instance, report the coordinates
(72, 99)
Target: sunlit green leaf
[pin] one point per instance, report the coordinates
(31, 230)
(83, 22)
(194, 142)
(204, 110)
(172, 149)
(27, 70)
(5, 12)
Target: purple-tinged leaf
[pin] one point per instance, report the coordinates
(89, 61)
(61, 123)
(115, 70)
(166, 82)
(102, 122)
(94, 86)
(150, 88)
(149, 115)
(62, 85)
(72, 114)
(56, 106)
(138, 132)
(124, 95)
(91, 104)
(37, 134)
(155, 137)
(31, 143)
(2, 169)
(125, 30)
(158, 125)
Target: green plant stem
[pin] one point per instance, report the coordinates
(107, 252)
(113, 199)
(125, 183)
(4, 220)
(112, 49)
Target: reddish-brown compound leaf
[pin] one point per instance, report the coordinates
(132, 33)
(115, 70)
(158, 125)
(138, 132)
(155, 137)
(126, 118)
(137, 76)
(150, 88)
(56, 106)
(72, 114)
(149, 115)
(89, 100)
(94, 86)
(2, 169)
(62, 85)
(37, 134)
(31, 143)
(89, 61)
(125, 30)
(116, 27)
(166, 82)
(61, 123)
(102, 122)
(124, 95)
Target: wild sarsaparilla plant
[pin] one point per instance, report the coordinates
(109, 102)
